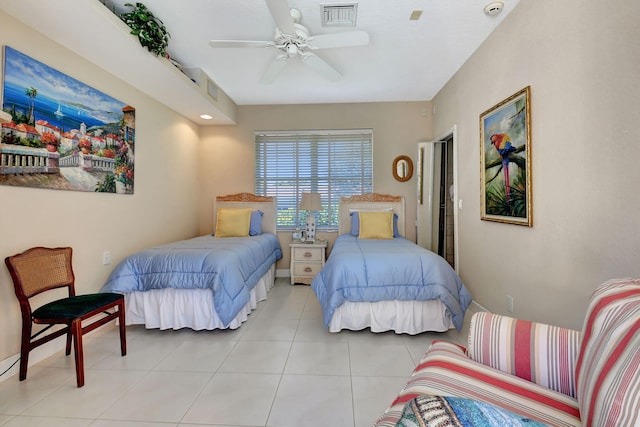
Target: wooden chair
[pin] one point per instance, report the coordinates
(40, 269)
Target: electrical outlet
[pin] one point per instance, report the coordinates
(106, 258)
(509, 303)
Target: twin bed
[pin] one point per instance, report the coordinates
(206, 282)
(214, 283)
(389, 283)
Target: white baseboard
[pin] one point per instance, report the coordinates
(38, 354)
(4, 365)
(477, 307)
(282, 272)
(35, 356)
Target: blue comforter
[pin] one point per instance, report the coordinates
(381, 270)
(229, 266)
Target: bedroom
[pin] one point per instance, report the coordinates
(584, 134)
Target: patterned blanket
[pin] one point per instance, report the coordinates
(439, 411)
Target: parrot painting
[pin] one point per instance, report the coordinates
(502, 142)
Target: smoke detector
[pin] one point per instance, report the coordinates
(494, 9)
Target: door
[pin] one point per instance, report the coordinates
(436, 198)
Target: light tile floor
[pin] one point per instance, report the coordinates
(281, 368)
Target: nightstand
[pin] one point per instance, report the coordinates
(306, 260)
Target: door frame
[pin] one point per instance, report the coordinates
(427, 195)
(452, 134)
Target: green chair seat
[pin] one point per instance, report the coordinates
(74, 307)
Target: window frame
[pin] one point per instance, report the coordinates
(316, 176)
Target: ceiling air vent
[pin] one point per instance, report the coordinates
(339, 14)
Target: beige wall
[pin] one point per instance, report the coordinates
(582, 65)
(163, 208)
(226, 154)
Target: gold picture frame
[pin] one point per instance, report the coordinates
(505, 161)
(402, 168)
(420, 165)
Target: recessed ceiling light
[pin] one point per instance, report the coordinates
(206, 116)
(415, 15)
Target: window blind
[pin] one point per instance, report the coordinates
(332, 163)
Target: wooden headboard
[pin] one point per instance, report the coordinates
(370, 201)
(247, 200)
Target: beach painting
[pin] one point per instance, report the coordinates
(63, 134)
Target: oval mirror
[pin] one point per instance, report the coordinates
(402, 168)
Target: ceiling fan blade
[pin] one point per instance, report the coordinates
(345, 39)
(240, 43)
(273, 69)
(321, 67)
(281, 15)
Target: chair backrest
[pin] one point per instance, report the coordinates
(608, 367)
(40, 269)
(540, 353)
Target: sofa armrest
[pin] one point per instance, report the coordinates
(543, 354)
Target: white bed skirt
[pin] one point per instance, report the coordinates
(188, 308)
(403, 317)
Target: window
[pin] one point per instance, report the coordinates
(332, 163)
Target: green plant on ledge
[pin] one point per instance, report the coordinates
(150, 30)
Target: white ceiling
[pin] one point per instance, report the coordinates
(404, 61)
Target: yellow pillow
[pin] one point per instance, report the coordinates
(233, 222)
(376, 225)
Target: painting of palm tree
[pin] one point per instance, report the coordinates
(63, 133)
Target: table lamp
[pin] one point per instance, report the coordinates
(310, 202)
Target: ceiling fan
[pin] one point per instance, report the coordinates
(293, 40)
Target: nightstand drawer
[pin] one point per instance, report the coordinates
(307, 260)
(307, 254)
(304, 269)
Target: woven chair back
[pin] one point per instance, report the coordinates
(41, 269)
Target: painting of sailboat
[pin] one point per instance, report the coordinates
(63, 133)
(58, 113)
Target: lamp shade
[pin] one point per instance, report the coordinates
(310, 202)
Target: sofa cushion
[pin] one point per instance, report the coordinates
(536, 352)
(437, 411)
(446, 370)
(608, 368)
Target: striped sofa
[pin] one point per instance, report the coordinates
(554, 375)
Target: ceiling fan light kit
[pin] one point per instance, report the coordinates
(294, 40)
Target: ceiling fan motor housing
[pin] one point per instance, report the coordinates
(296, 15)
